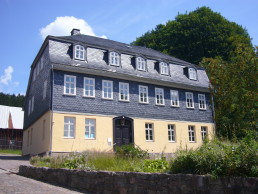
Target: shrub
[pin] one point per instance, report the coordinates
(130, 151)
(155, 165)
(219, 159)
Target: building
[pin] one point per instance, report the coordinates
(90, 94)
(11, 125)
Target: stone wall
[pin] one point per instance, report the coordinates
(132, 182)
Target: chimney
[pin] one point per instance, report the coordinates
(75, 32)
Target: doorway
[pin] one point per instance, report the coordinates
(123, 131)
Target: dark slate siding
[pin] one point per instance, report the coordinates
(133, 108)
(36, 90)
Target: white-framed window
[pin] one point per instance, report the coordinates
(41, 63)
(204, 132)
(107, 89)
(171, 133)
(44, 89)
(149, 131)
(89, 87)
(159, 94)
(70, 84)
(79, 52)
(90, 128)
(32, 104)
(174, 98)
(189, 100)
(29, 108)
(143, 94)
(69, 127)
(38, 68)
(192, 74)
(34, 74)
(191, 132)
(114, 58)
(164, 68)
(123, 91)
(141, 63)
(202, 101)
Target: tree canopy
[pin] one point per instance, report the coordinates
(11, 99)
(201, 33)
(224, 49)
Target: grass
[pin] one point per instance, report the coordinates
(105, 162)
(18, 152)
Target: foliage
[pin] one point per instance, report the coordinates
(18, 152)
(219, 158)
(160, 165)
(131, 151)
(11, 100)
(234, 88)
(100, 162)
(201, 33)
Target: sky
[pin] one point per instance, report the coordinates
(26, 23)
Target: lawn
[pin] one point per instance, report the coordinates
(18, 152)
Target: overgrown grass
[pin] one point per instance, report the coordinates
(18, 152)
(219, 158)
(127, 158)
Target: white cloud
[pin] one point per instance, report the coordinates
(7, 77)
(62, 26)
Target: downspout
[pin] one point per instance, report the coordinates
(52, 115)
(213, 113)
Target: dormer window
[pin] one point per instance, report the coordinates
(192, 74)
(163, 68)
(79, 52)
(114, 59)
(141, 63)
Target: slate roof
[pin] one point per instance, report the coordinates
(176, 78)
(122, 47)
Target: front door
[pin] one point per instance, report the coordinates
(123, 131)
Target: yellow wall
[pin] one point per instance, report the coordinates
(104, 130)
(160, 141)
(34, 141)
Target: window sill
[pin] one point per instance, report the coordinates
(79, 59)
(190, 108)
(69, 137)
(203, 109)
(144, 103)
(192, 141)
(90, 138)
(173, 106)
(107, 99)
(88, 96)
(142, 70)
(172, 141)
(124, 100)
(149, 140)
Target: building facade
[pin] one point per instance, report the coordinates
(90, 94)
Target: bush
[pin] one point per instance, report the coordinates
(219, 158)
(129, 151)
(155, 165)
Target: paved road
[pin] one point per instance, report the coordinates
(10, 182)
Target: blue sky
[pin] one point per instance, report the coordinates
(25, 23)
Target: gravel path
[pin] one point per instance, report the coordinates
(10, 182)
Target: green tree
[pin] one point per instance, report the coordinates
(11, 99)
(201, 33)
(234, 88)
